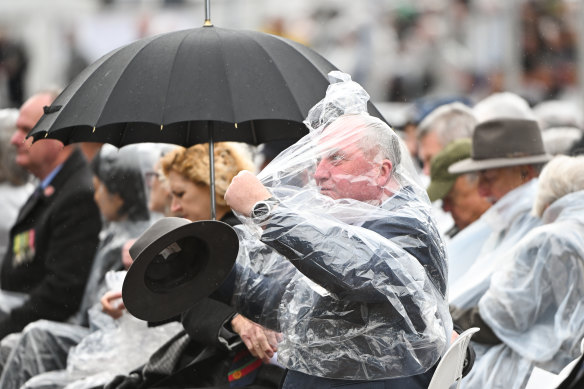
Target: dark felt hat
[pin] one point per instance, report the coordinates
(176, 264)
(503, 143)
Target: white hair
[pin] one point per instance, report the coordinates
(561, 176)
(375, 135)
(504, 105)
(560, 140)
(450, 122)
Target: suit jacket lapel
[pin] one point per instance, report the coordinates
(72, 163)
(27, 208)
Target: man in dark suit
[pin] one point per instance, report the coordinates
(55, 236)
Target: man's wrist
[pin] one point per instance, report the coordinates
(262, 210)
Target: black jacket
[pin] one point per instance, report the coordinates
(51, 248)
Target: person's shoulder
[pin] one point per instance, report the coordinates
(75, 176)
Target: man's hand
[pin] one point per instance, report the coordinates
(112, 304)
(245, 190)
(261, 342)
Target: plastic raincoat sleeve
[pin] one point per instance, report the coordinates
(352, 272)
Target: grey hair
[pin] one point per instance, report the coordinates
(561, 176)
(379, 136)
(449, 122)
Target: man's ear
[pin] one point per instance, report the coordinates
(385, 170)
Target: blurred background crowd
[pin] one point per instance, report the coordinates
(400, 51)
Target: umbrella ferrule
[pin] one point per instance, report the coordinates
(207, 14)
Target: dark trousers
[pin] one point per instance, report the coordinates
(297, 380)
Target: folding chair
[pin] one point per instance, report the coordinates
(449, 369)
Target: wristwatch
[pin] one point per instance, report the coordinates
(262, 209)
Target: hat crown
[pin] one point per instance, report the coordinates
(507, 138)
(455, 151)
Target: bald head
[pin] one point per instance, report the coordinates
(44, 155)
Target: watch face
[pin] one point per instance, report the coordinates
(260, 209)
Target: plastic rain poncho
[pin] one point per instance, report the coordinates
(349, 268)
(535, 303)
(463, 250)
(509, 220)
(95, 358)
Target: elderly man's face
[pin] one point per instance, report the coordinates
(464, 202)
(496, 183)
(34, 157)
(346, 171)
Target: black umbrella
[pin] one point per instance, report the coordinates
(193, 86)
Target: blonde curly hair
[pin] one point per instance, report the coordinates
(193, 164)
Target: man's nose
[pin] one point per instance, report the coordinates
(446, 205)
(322, 171)
(426, 169)
(17, 138)
(483, 188)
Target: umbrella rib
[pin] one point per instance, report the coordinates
(300, 114)
(124, 72)
(163, 116)
(227, 78)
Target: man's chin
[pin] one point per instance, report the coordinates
(21, 161)
(329, 193)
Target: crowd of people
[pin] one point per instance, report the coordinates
(359, 260)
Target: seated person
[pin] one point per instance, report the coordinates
(208, 353)
(533, 313)
(15, 181)
(120, 196)
(55, 236)
(339, 252)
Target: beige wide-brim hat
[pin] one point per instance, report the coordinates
(503, 143)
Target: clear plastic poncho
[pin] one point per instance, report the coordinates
(535, 303)
(349, 266)
(116, 348)
(508, 220)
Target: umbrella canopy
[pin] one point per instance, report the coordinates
(192, 86)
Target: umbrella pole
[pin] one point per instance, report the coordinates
(212, 170)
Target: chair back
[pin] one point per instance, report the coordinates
(449, 369)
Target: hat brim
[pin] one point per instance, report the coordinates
(176, 264)
(470, 165)
(438, 189)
